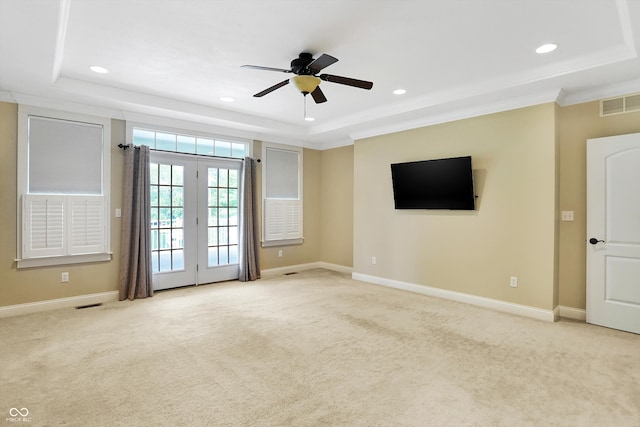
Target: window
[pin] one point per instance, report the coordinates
(186, 142)
(63, 188)
(282, 190)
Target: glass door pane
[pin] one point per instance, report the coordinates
(167, 211)
(222, 218)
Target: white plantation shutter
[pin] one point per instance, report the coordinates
(87, 224)
(44, 218)
(283, 219)
(273, 220)
(293, 210)
(62, 225)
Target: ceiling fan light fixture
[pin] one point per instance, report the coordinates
(306, 84)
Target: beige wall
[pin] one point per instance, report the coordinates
(576, 124)
(37, 284)
(512, 231)
(336, 206)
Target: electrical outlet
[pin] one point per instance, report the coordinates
(64, 277)
(280, 253)
(513, 282)
(374, 260)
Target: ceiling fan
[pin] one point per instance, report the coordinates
(306, 68)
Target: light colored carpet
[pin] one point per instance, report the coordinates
(312, 349)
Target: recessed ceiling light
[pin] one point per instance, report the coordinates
(309, 119)
(546, 48)
(98, 69)
(227, 99)
(399, 92)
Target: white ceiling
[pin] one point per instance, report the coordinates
(172, 61)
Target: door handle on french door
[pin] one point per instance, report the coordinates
(595, 241)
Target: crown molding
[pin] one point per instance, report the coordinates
(601, 92)
(61, 34)
(480, 108)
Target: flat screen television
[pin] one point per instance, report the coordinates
(434, 184)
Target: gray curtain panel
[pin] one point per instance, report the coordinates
(249, 251)
(135, 255)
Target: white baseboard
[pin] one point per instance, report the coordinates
(336, 267)
(572, 313)
(271, 272)
(55, 304)
(507, 307)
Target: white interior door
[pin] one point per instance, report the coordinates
(613, 232)
(194, 219)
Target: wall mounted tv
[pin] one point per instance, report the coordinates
(434, 184)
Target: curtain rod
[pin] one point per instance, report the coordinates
(125, 146)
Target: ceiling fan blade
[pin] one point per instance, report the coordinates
(259, 67)
(318, 96)
(272, 88)
(321, 62)
(362, 84)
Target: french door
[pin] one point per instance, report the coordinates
(195, 217)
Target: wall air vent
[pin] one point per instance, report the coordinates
(619, 105)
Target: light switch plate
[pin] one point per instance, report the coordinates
(567, 215)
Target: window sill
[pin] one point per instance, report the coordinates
(62, 260)
(285, 242)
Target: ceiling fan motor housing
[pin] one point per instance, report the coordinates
(300, 64)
